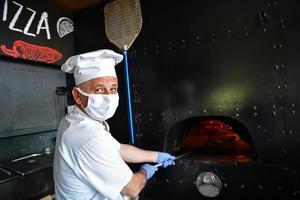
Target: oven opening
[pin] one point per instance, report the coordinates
(217, 138)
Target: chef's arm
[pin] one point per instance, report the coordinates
(132, 154)
(135, 185)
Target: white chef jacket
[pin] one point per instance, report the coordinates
(87, 163)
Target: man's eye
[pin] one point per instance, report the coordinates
(114, 89)
(99, 90)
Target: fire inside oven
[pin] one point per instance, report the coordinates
(217, 138)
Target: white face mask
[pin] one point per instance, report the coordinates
(101, 107)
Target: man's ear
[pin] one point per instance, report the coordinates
(75, 94)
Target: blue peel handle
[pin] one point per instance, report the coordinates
(129, 107)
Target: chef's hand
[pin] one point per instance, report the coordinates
(150, 170)
(165, 159)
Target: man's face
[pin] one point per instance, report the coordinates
(101, 85)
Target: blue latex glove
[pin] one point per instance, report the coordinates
(165, 158)
(150, 170)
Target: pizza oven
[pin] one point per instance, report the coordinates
(209, 151)
(214, 138)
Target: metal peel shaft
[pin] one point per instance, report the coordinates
(177, 157)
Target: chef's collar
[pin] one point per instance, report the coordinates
(103, 123)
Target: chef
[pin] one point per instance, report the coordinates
(89, 163)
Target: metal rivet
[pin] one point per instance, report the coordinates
(204, 111)
(236, 108)
(264, 30)
(180, 181)
(279, 188)
(167, 180)
(219, 110)
(225, 185)
(237, 114)
(242, 186)
(254, 107)
(276, 67)
(258, 126)
(255, 114)
(284, 151)
(265, 130)
(290, 131)
(293, 112)
(260, 187)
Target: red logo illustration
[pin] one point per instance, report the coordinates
(29, 51)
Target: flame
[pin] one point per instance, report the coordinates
(214, 138)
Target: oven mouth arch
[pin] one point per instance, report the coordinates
(211, 137)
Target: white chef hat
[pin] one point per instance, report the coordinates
(92, 65)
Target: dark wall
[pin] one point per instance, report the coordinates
(210, 58)
(30, 109)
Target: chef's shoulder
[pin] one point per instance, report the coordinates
(78, 130)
